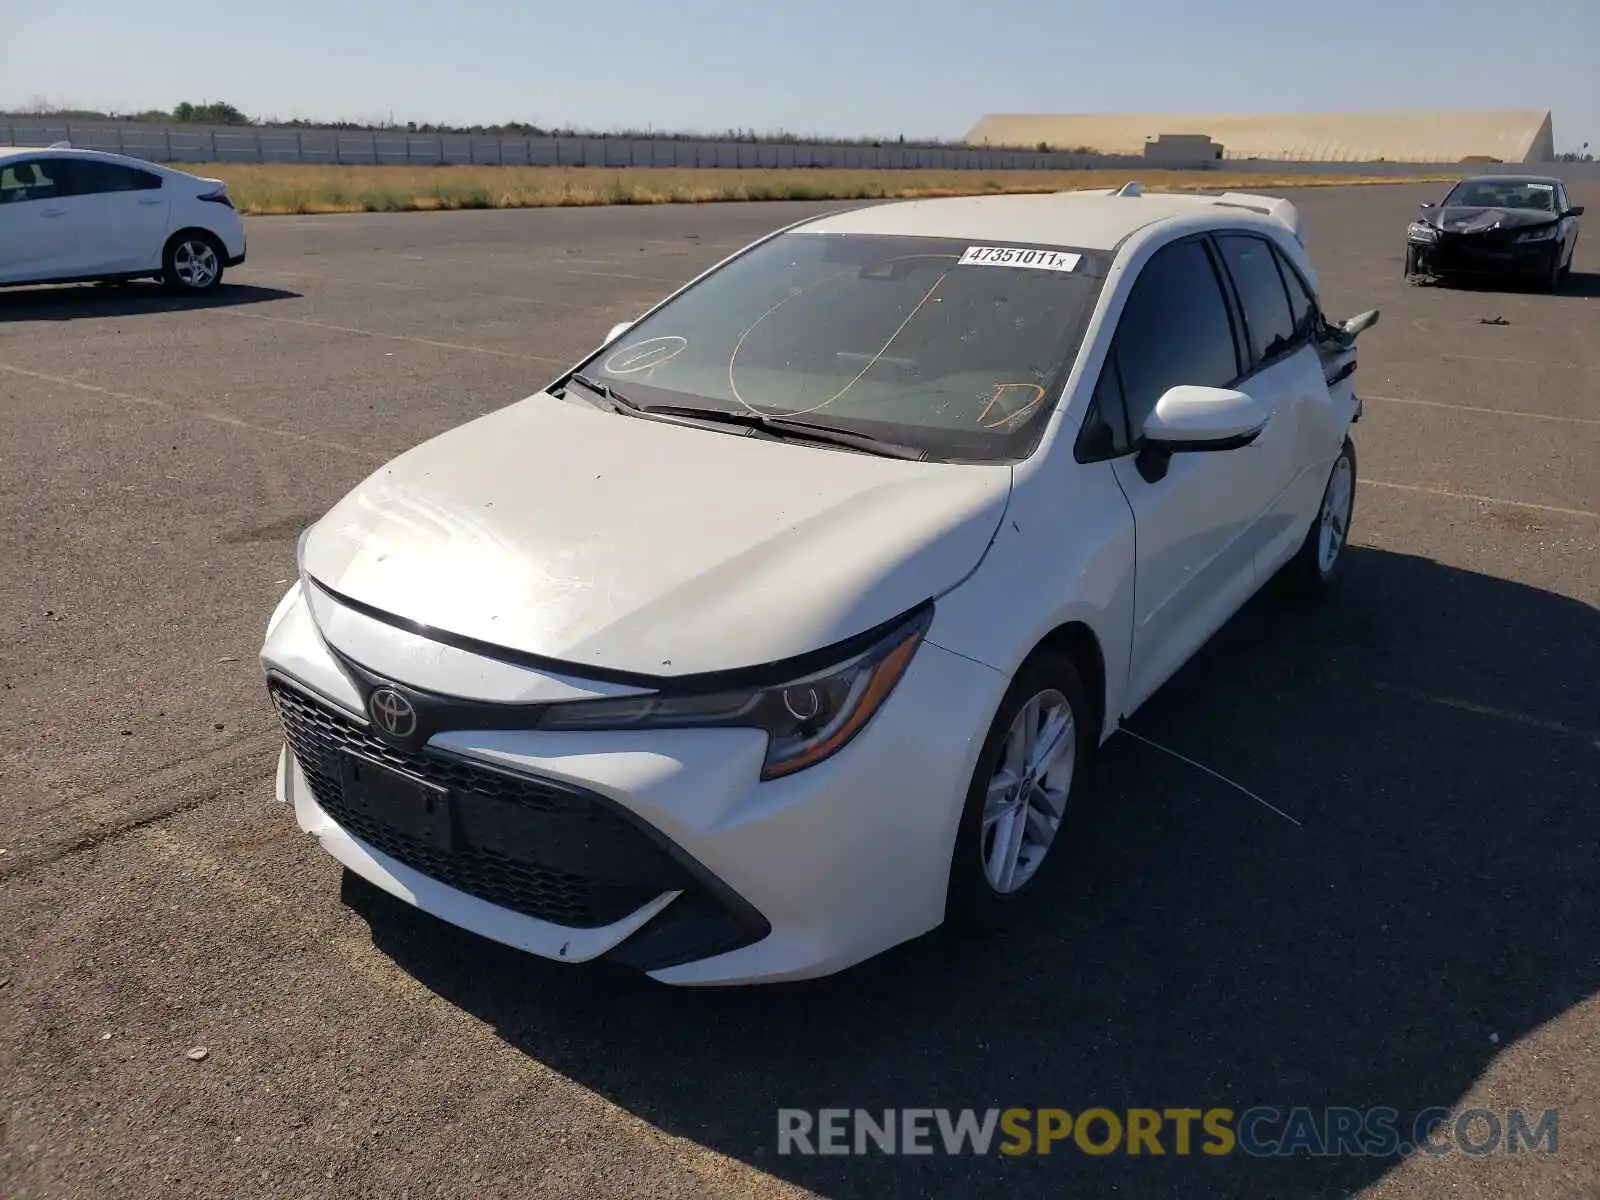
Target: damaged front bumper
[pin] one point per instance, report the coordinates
(1492, 253)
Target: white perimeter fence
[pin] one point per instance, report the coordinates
(225, 144)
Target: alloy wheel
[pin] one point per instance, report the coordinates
(195, 263)
(1333, 525)
(1028, 792)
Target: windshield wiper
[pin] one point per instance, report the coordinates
(777, 426)
(789, 427)
(606, 392)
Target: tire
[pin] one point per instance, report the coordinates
(1552, 277)
(1313, 567)
(1415, 275)
(192, 261)
(979, 900)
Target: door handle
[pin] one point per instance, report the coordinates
(54, 212)
(148, 202)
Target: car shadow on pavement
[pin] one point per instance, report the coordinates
(77, 302)
(1432, 732)
(1578, 283)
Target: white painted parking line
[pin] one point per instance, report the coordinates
(389, 337)
(386, 285)
(623, 275)
(180, 410)
(1446, 492)
(1517, 362)
(1485, 710)
(1492, 412)
(571, 266)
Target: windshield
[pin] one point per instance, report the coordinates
(1486, 193)
(958, 349)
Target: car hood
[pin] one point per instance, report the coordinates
(620, 544)
(1462, 218)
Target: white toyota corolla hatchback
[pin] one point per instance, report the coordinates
(70, 216)
(786, 626)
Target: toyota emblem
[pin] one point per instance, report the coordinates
(392, 713)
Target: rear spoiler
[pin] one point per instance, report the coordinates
(1281, 211)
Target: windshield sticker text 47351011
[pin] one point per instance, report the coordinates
(1012, 256)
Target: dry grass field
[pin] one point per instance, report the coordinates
(263, 189)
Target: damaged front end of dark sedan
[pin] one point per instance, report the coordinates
(1513, 237)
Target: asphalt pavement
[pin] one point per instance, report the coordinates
(1353, 861)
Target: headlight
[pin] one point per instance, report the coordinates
(806, 719)
(300, 550)
(1542, 234)
(285, 603)
(1418, 232)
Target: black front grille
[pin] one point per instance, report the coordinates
(538, 847)
(1498, 247)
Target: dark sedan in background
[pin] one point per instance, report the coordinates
(1512, 226)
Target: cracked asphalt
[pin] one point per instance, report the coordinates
(1428, 934)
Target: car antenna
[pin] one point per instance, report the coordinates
(59, 146)
(1131, 188)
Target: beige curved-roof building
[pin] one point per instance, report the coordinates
(1513, 136)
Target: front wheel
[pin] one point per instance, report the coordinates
(1315, 565)
(192, 262)
(1026, 798)
(1553, 277)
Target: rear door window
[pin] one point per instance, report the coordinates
(1268, 319)
(1302, 302)
(84, 177)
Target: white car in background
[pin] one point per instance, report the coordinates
(786, 626)
(69, 216)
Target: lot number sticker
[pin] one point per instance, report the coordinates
(1011, 256)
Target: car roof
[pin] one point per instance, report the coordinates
(1097, 219)
(66, 151)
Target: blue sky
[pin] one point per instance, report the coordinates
(919, 67)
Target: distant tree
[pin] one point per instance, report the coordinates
(214, 112)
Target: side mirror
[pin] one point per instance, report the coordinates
(1191, 419)
(1360, 323)
(617, 330)
(1575, 211)
(1430, 204)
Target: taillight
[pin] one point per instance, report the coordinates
(220, 196)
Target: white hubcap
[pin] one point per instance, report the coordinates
(1334, 523)
(195, 263)
(1028, 791)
